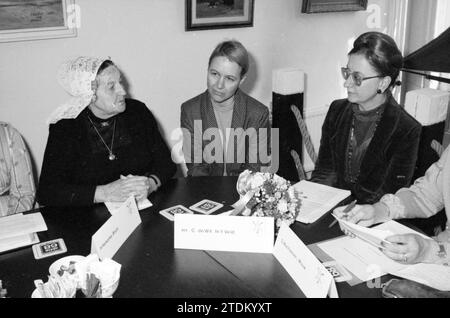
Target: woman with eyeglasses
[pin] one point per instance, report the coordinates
(369, 143)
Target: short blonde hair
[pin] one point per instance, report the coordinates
(234, 51)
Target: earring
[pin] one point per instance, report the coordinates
(379, 91)
(94, 98)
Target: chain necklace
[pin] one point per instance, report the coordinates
(110, 150)
(352, 144)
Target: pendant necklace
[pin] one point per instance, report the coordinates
(111, 155)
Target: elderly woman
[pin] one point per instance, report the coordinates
(369, 143)
(222, 126)
(102, 147)
(17, 189)
(426, 197)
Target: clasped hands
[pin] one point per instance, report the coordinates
(120, 190)
(405, 248)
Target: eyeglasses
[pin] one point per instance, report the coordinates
(357, 77)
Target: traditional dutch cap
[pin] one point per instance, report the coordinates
(76, 77)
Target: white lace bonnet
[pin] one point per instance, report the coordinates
(76, 76)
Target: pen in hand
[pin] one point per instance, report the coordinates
(347, 209)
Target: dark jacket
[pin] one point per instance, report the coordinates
(76, 161)
(247, 113)
(389, 161)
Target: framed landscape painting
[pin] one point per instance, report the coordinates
(218, 14)
(317, 6)
(22, 20)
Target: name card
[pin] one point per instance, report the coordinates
(113, 207)
(224, 233)
(305, 269)
(110, 237)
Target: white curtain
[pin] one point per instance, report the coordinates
(397, 29)
(442, 23)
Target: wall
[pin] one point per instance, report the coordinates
(318, 44)
(165, 65)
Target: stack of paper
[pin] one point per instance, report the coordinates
(20, 230)
(362, 257)
(317, 199)
(372, 236)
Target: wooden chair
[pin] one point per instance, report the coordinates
(306, 140)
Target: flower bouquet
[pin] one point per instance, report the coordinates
(267, 194)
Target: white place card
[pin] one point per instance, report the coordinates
(110, 237)
(224, 233)
(113, 207)
(305, 269)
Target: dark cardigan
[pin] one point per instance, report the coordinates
(389, 161)
(75, 161)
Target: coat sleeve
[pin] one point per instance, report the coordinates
(192, 148)
(22, 189)
(425, 197)
(55, 187)
(325, 170)
(403, 162)
(262, 139)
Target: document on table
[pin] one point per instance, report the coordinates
(367, 262)
(363, 260)
(11, 243)
(317, 199)
(20, 224)
(373, 236)
(433, 275)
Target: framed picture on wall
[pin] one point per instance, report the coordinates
(317, 6)
(22, 20)
(218, 14)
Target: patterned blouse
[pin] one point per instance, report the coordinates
(17, 188)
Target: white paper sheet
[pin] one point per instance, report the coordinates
(20, 224)
(373, 236)
(433, 275)
(318, 200)
(11, 243)
(397, 228)
(367, 262)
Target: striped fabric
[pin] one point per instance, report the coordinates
(17, 188)
(298, 165)
(304, 131)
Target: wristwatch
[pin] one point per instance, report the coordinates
(442, 253)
